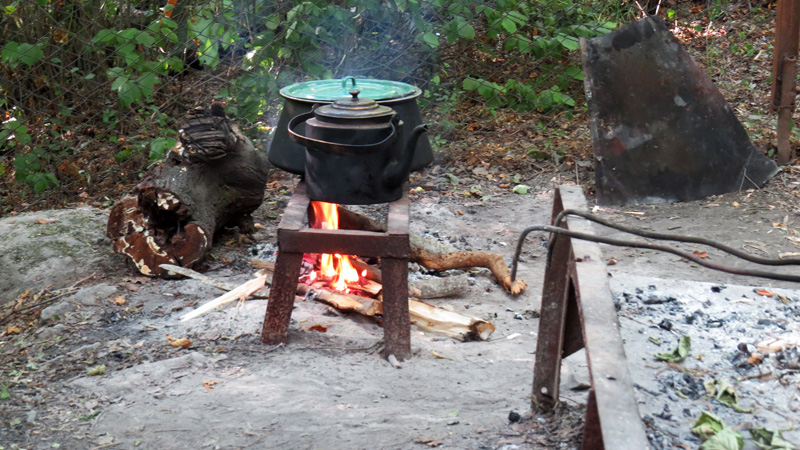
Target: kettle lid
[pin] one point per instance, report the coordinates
(354, 108)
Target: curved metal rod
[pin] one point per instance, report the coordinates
(627, 243)
(678, 238)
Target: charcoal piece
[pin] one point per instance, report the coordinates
(661, 130)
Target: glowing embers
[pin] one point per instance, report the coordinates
(334, 271)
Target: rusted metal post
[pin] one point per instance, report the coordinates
(578, 311)
(784, 71)
(786, 109)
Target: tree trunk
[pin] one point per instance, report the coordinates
(171, 216)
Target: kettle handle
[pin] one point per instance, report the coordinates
(333, 147)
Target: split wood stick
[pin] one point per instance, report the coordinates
(221, 285)
(465, 259)
(240, 293)
(449, 323)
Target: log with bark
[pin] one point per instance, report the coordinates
(212, 178)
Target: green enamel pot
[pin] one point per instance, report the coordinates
(301, 97)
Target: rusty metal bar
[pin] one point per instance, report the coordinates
(786, 109)
(784, 72)
(787, 41)
(295, 239)
(577, 307)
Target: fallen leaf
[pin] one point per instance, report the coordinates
(724, 392)
(459, 212)
(521, 189)
(13, 330)
(178, 342)
(208, 384)
(679, 353)
(611, 262)
(779, 225)
(699, 254)
(318, 327)
(765, 293)
(119, 300)
(735, 204)
(44, 221)
(770, 439)
(99, 369)
(440, 356)
(755, 358)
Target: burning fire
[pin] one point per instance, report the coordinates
(336, 268)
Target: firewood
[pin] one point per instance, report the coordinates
(466, 259)
(439, 287)
(240, 293)
(171, 216)
(346, 302)
(436, 255)
(450, 323)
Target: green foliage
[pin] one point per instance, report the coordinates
(138, 66)
(15, 53)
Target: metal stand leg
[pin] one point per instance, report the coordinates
(281, 298)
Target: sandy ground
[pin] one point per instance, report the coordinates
(100, 373)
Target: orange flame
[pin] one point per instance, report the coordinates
(334, 267)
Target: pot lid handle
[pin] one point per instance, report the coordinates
(346, 79)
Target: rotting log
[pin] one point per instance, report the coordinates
(212, 178)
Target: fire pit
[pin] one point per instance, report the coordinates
(296, 239)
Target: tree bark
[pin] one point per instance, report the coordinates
(171, 216)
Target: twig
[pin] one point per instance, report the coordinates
(68, 290)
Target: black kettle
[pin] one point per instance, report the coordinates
(354, 151)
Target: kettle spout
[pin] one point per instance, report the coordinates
(397, 170)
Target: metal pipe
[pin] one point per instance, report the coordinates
(639, 244)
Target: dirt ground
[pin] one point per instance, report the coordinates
(99, 371)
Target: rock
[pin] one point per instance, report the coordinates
(89, 296)
(52, 249)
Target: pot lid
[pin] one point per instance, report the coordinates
(354, 108)
(331, 90)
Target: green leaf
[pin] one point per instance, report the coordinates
(470, 84)
(145, 39)
(159, 147)
(509, 25)
(15, 53)
(574, 72)
(679, 353)
(105, 36)
(725, 439)
(724, 392)
(707, 425)
(568, 42)
(5, 394)
(431, 39)
(467, 31)
(767, 439)
(521, 189)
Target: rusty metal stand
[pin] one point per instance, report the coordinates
(784, 73)
(578, 311)
(294, 239)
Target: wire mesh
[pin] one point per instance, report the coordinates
(91, 91)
